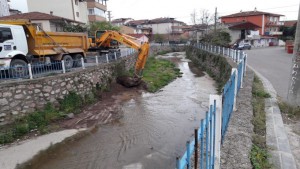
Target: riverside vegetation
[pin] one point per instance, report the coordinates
(158, 73)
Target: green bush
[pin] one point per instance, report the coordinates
(71, 103)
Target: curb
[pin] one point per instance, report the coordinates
(277, 140)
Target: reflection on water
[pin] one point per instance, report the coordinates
(151, 134)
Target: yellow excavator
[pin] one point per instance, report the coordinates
(143, 49)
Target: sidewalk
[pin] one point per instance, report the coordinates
(277, 139)
(12, 156)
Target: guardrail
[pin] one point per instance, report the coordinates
(212, 130)
(31, 71)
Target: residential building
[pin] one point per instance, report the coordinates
(165, 26)
(4, 8)
(290, 23)
(96, 10)
(14, 11)
(126, 29)
(121, 21)
(140, 38)
(269, 23)
(47, 22)
(139, 26)
(194, 32)
(72, 9)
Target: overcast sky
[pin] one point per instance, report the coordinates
(181, 10)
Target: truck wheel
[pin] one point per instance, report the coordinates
(77, 60)
(68, 61)
(18, 68)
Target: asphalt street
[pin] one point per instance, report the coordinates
(274, 64)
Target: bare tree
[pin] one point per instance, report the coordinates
(205, 17)
(194, 18)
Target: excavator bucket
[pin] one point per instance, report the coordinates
(129, 81)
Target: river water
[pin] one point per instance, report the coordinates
(152, 132)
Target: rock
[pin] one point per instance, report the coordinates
(3, 102)
(7, 94)
(19, 96)
(37, 90)
(14, 113)
(18, 91)
(70, 115)
(2, 115)
(63, 84)
(47, 89)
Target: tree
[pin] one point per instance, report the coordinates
(102, 26)
(68, 27)
(288, 33)
(158, 38)
(220, 38)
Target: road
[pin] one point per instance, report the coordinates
(274, 64)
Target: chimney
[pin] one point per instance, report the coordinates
(51, 12)
(255, 10)
(241, 11)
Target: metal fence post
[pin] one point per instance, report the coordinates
(97, 62)
(30, 71)
(245, 63)
(235, 72)
(82, 63)
(210, 136)
(196, 149)
(115, 55)
(177, 162)
(202, 144)
(63, 66)
(188, 153)
(107, 60)
(216, 100)
(207, 140)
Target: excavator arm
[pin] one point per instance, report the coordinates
(128, 41)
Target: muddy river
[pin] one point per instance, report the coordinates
(150, 134)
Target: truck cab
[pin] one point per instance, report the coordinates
(13, 46)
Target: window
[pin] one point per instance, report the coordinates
(96, 11)
(38, 26)
(76, 2)
(77, 14)
(5, 34)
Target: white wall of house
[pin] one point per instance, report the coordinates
(235, 35)
(71, 9)
(4, 9)
(45, 24)
(162, 28)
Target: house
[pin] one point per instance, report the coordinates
(140, 38)
(121, 21)
(269, 23)
(126, 29)
(165, 26)
(139, 26)
(290, 23)
(4, 8)
(45, 21)
(96, 10)
(194, 32)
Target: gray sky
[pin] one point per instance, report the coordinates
(181, 10)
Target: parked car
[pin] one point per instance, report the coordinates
(244, 46)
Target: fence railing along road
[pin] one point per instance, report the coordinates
(31, 71)
(204, 150)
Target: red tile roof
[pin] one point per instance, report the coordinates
(250, 13)
(36, 16)
(242, 25)
(290, 23)
(137, 35)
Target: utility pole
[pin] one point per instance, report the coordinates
(215, 20)
(109, 16)
(294, 83)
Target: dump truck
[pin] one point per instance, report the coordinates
(22, 42)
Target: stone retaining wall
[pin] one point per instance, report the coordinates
(21, 97)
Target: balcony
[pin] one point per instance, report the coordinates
(278, 23)
(273, 33)
(93, 4)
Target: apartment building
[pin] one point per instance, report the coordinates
(71, 9)
(269, 23)
(4, 8)
(96, 10)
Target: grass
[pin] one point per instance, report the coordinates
(259, 155)
(291, 111)
(42, 121)
(158, 73)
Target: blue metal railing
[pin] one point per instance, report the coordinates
(207, 141)
(207, 132)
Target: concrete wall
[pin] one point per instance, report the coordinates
(4, 8)
(22, 97)
(61, 8)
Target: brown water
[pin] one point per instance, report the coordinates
(151, 133)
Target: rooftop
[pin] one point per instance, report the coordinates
(250, 13)
(36, 16)
(242, 25)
